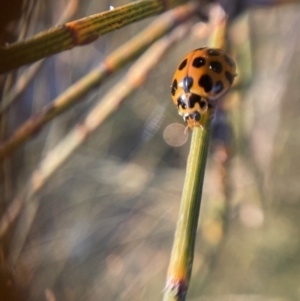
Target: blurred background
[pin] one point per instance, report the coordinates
(103, 225)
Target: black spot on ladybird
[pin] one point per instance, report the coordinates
(230, 61)
(206, 82)
(229, 77)
(181, 102)
(213, 52)
(187, 83)
(194, 98)
(174, 87)
(218, 87)
(216, 66)
(182, 65)
(198, 62)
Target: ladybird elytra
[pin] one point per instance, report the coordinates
(203, 75)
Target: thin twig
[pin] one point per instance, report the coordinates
(29, 73)
(182, 256)
(79, 32)
(181, 261)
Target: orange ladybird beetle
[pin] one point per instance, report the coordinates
(204, 75)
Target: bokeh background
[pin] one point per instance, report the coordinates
(103, 226)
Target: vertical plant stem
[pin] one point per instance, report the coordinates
(180, 266)
(183, 248)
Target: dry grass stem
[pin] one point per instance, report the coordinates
(79, 32)
(26, 77)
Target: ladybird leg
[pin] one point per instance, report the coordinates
(186, 130)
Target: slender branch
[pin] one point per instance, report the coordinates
(79, 32)
(183, 248)
(29, 73)
(182, 256)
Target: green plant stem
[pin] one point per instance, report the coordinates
(183, 248)
(180, 266)
(79, 32)
(26, 77)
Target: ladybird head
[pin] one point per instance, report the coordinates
(191, 107)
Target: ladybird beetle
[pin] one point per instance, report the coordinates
(203, 75)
